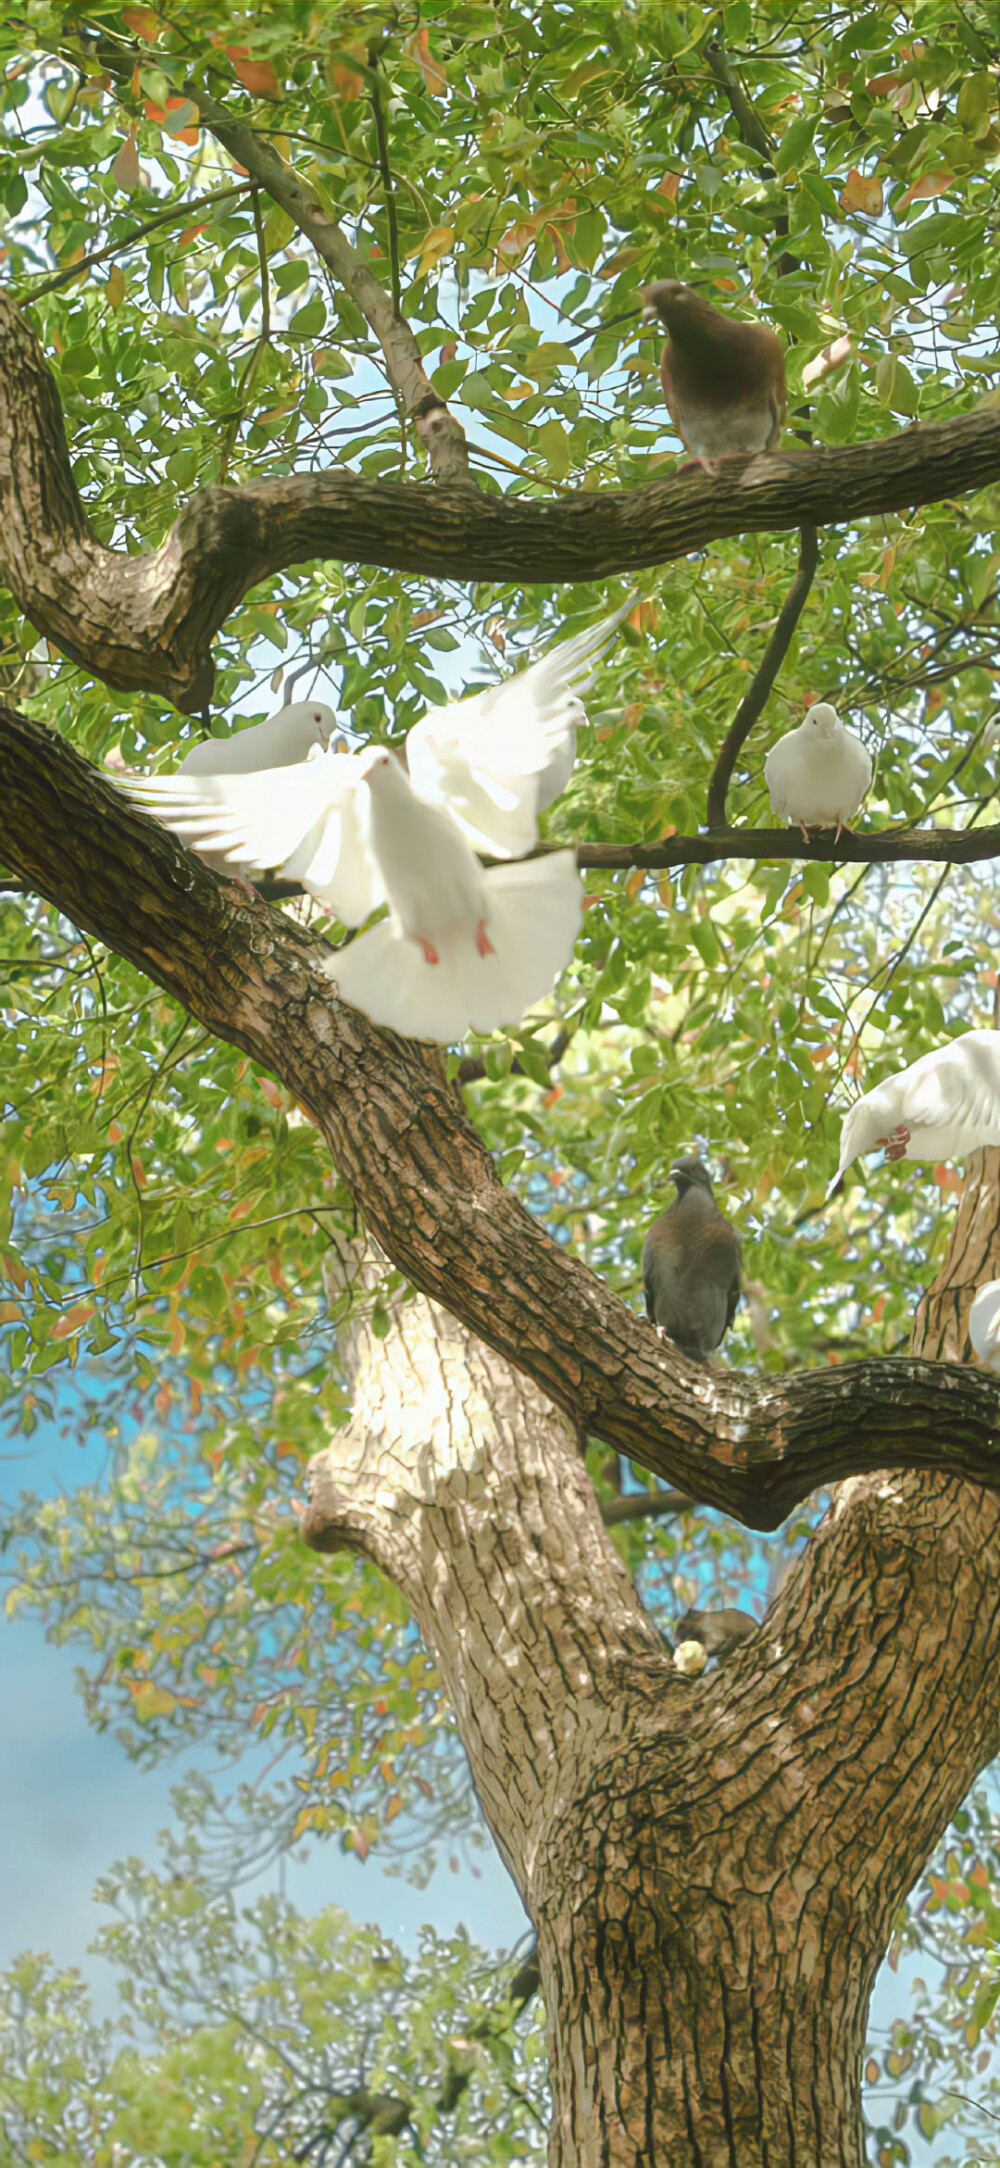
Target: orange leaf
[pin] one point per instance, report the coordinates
(947, 1178)
(435, 76)
(861, 194)
(139, 1171)
(394, 1806)
(256, 76)
(10, 1314)
(929, 184)
(343, 81)
(190, 234)
(669, 186)
(881, 85)
(115, 1133)
(553, 1097)
(178, 1337)
(272, 1092)
(73, 1320)
(361, 1844)
(164, 1402)
(143, 22)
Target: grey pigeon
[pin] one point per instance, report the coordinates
(691, 1266)
(720, 1632)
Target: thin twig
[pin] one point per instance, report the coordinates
(642, 1505)
(754, 701)
(389, 193)
(55, 279)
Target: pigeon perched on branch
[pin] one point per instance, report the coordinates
(462, 945)
(943, 1106)
(691, 1266)
(818, 774)
(723, 380)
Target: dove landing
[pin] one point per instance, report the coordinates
(943, 1106)
(463, 946)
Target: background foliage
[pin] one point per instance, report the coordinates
(165, 1210)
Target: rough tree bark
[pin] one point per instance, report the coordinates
(713, 1866)
(430, 1191)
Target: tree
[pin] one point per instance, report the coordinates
(715, 1868)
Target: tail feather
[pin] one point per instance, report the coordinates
(534, 910)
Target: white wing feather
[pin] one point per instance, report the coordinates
(495, 760)
(310, 821)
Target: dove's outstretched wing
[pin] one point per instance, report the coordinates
(496, 760)
(310, 822)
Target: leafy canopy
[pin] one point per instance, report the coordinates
(166, 1212)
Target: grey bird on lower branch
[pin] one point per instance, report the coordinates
(691, 1266)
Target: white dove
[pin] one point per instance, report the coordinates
(818, 774)
(943, 1106)
(286, 738)
(462, 946)
(984, 1324)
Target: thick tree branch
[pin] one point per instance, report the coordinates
(878, 847)
(428, 1187)
(755, 699)
(146, 623)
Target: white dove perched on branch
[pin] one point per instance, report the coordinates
(943, 1106)
(463, 944)
(818, 774)
(285, 739)
(984, 1324)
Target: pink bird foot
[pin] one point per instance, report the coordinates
(430, 953)
(805, 831)
(483, 942)
(895, 1145)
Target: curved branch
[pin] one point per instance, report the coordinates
(755, 699)
(878, 847)
(146, 623)
(429, 1189)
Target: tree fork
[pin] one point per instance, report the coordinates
(714, 1866)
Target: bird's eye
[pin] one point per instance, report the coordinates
(317, 718)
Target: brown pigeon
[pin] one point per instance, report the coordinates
(723, 381)
(691, 1266)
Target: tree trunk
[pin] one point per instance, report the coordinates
(714, 1866)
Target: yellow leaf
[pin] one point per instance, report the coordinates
(150, 1701)
(116, 286)
(126, 171)
(437, 243)
(861, 194)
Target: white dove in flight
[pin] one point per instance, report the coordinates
(984, 1324)
(943, 1106)
(463, 945)
(818, 774)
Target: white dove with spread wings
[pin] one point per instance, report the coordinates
(943, 1106)
(463, 945)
